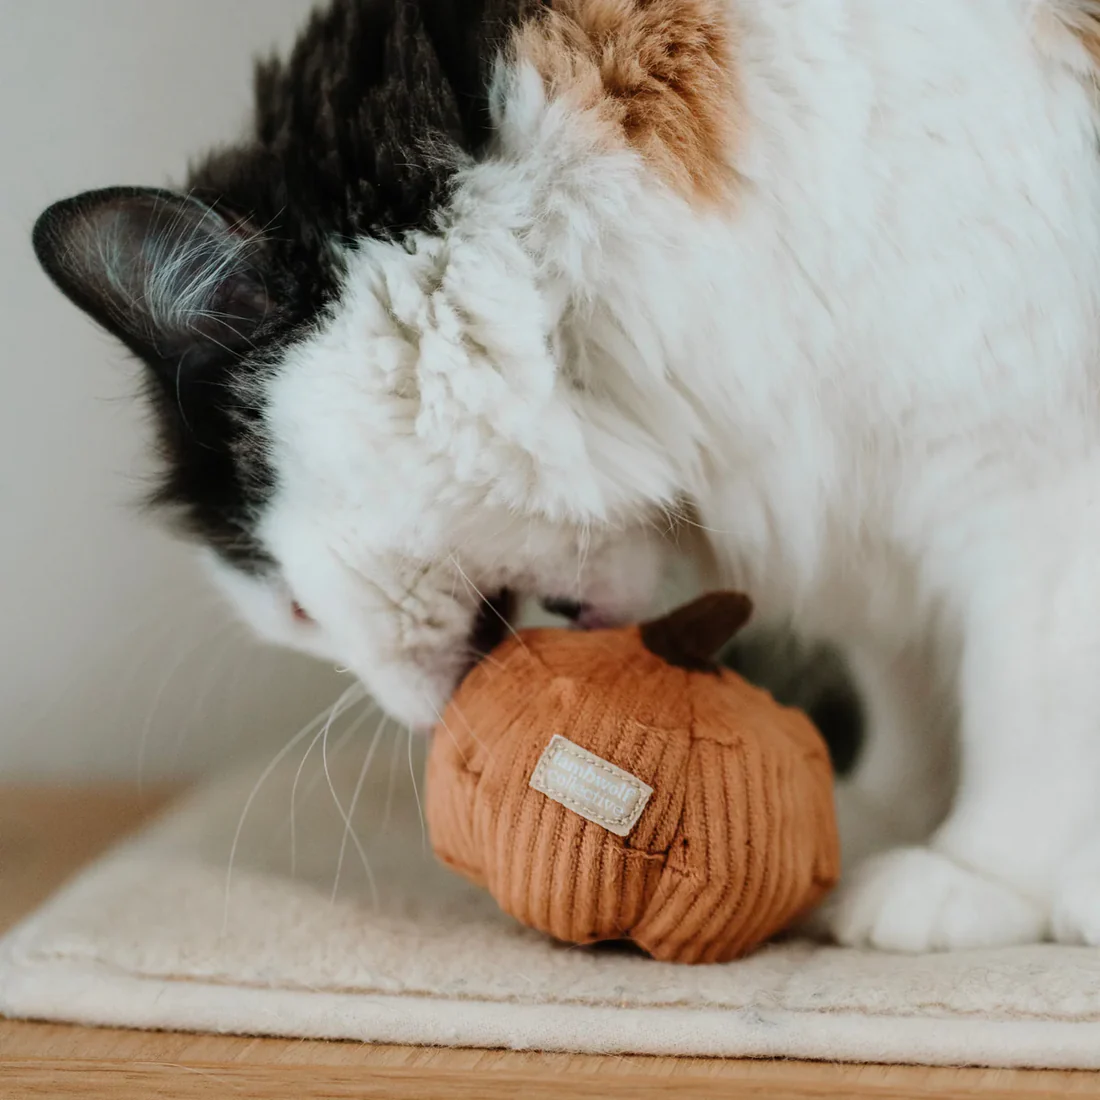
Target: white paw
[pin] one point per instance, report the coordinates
(1075, 917)
(915, 900)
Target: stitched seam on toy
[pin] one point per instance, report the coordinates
(640, 855)
(677, 831)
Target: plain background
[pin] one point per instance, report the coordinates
(115, 657)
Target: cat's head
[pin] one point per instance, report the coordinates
(355, 359)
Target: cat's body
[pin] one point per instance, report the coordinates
(496, 293)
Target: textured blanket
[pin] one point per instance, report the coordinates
(287, 901)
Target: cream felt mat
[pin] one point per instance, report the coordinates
(148, 937)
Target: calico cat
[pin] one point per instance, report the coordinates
(497, 294)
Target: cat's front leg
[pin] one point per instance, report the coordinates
(897, 892)
(1018, 857)
(1028, 809)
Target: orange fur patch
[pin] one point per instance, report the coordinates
(658, 72)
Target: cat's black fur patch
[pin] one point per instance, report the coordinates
(811, 677)
(357, 133)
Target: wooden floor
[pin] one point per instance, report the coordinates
(45, 835)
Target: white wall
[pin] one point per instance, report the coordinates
(109, 638)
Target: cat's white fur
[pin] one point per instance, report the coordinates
(876, 377)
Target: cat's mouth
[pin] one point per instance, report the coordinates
(416, 689)
(584, 616)
(492, 625)
(496, 614)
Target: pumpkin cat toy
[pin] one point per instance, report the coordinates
(618, 784)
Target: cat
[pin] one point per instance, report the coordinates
(535, 296)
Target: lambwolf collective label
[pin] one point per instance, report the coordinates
(590, 786)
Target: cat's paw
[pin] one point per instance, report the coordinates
(915, 900)
(1075, 915)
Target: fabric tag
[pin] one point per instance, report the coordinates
(584, 783)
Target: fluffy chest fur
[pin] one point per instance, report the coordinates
(860, 346)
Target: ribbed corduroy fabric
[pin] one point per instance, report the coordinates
(738, 839)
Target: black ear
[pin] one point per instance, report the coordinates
(175, 279)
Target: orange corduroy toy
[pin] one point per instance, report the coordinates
(619, 785)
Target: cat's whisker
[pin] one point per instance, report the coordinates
(349, 816)
(487, 603)
(216, 670)
(341, 743)
(489, 659)
(470, 730)
(416, 793)
(345, 700)
(450, 733)
(183, 656)
(153, 624)
(293, 823)
(279, 757)
(394, 749)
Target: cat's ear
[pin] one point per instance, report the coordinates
(175, 279)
